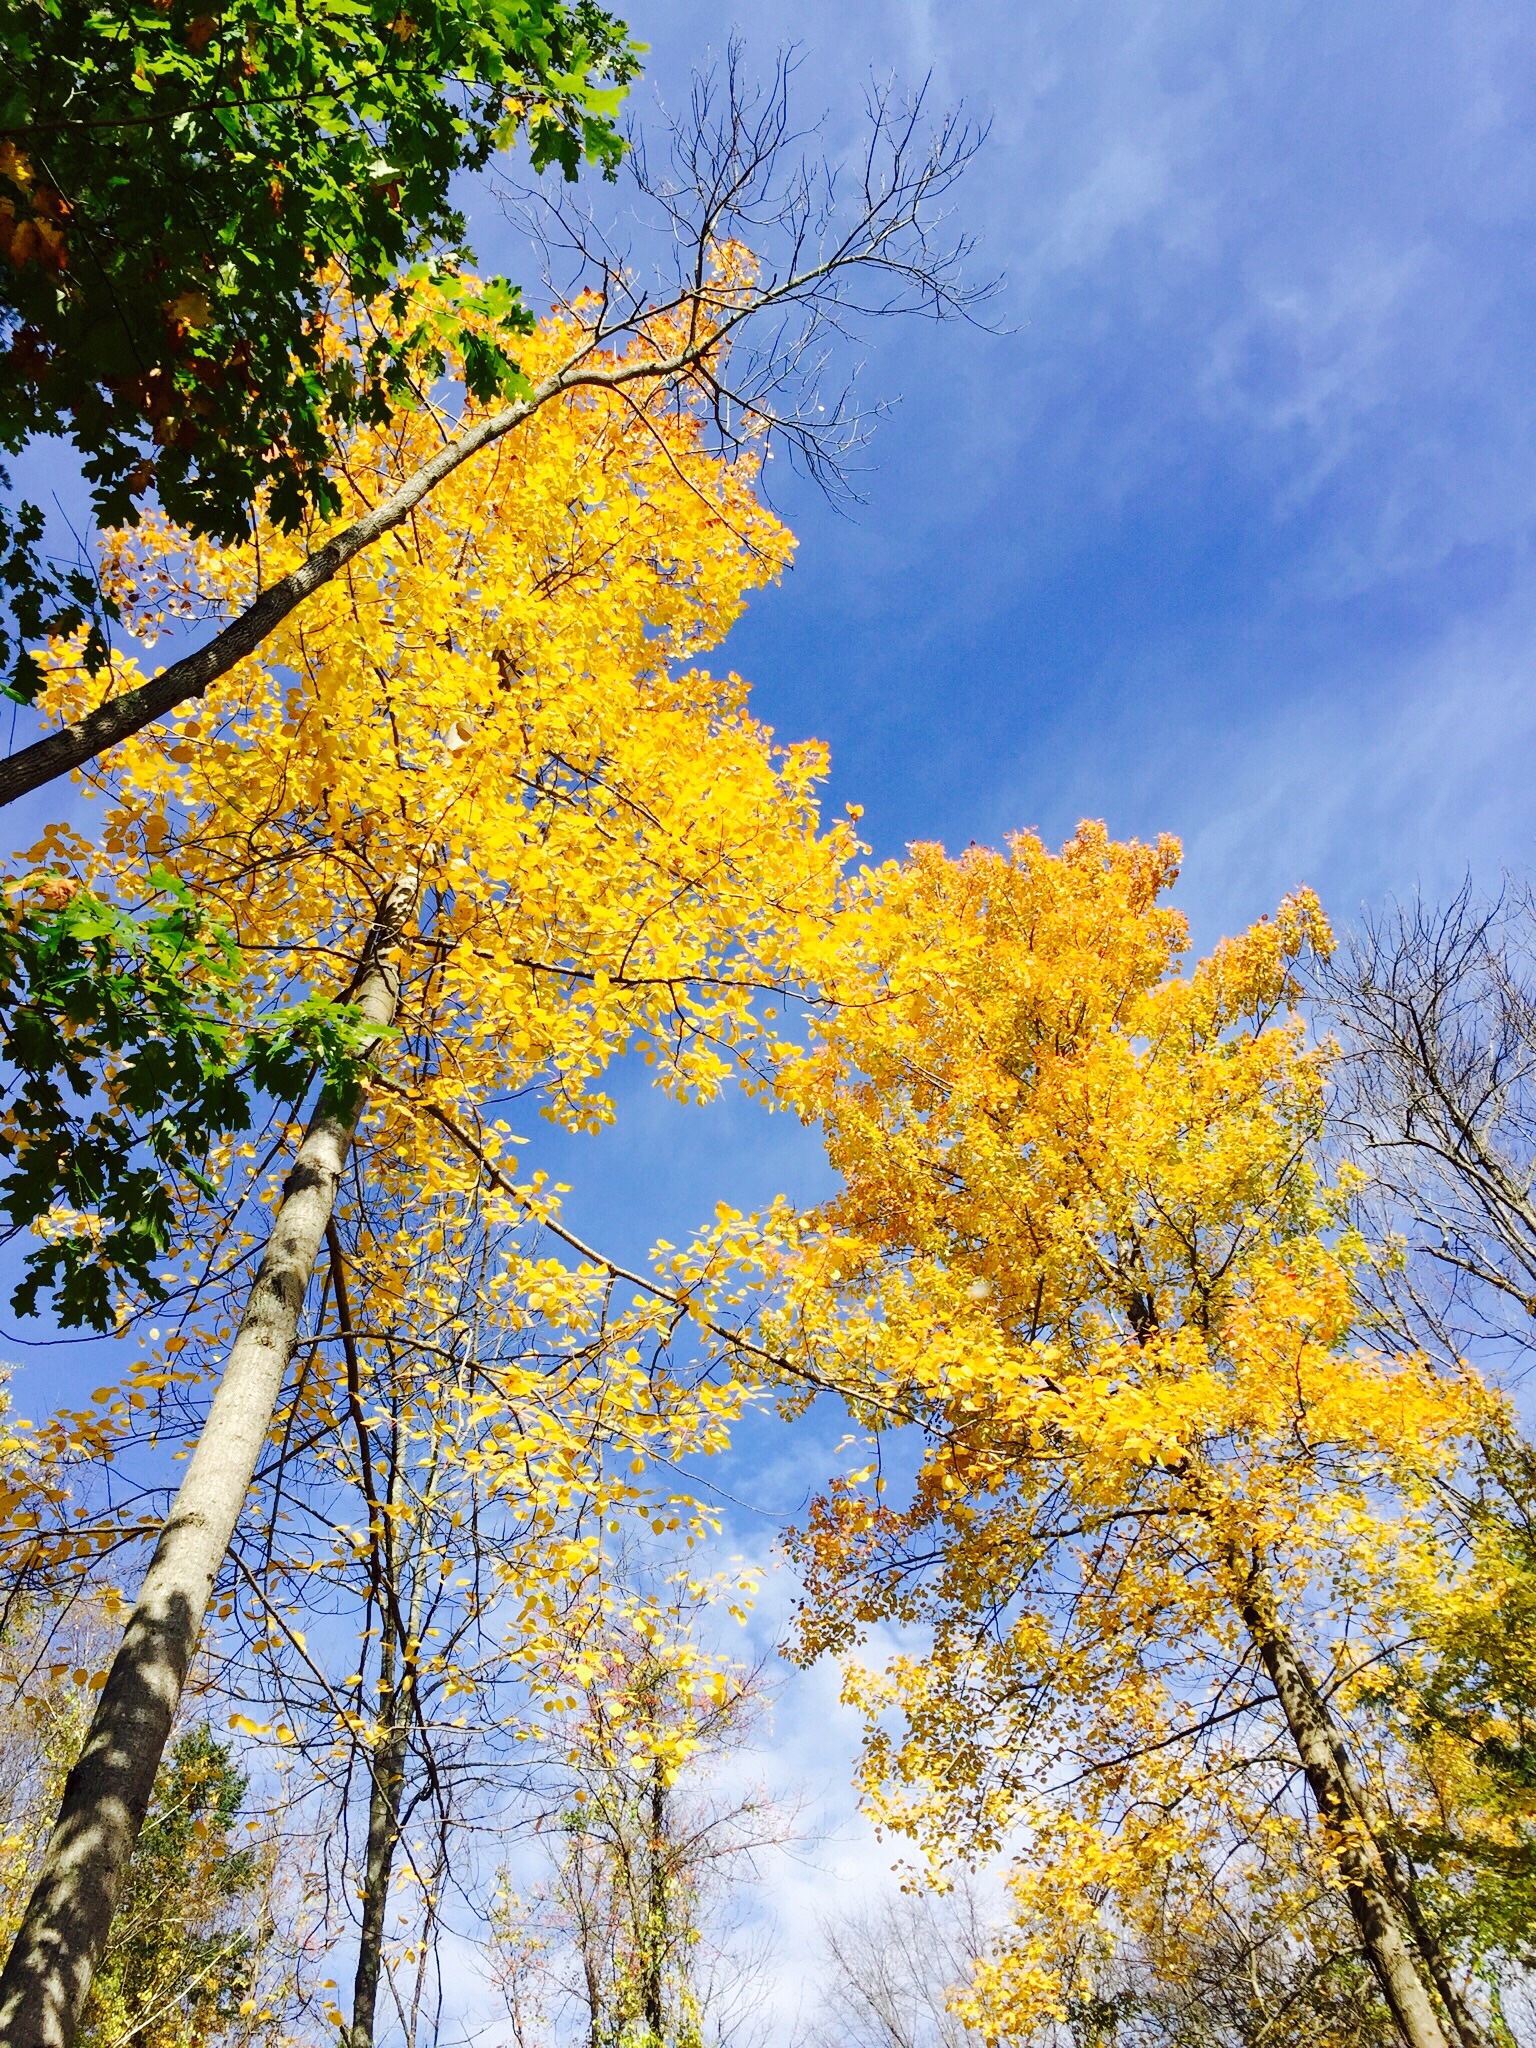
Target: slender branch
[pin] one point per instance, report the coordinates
(686, 1303)
(119, 718)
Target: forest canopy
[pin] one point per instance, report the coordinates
(415, 882)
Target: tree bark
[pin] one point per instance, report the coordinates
(1464, 2023)
(397, 1696)
(657, 1932)
(1368, 1884)
(386, 1776)
(60, 1942)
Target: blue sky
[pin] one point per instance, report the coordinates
(1231, 534)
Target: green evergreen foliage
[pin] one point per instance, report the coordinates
(189, 1935)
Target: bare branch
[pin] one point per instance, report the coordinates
(832, 246)
(1435, 1010)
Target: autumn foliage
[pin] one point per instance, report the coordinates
(1160, 1531)
(1084, 1240)
(498, 725)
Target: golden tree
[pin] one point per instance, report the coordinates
(1169, 1511)
(625, 1941)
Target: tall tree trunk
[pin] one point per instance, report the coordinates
(386, 1775)
(1368, 1883)
(657, 1904)
(1464, 2023)
(60, 1942)
(587, 1894)
(398, 1671)
(1468, 2029)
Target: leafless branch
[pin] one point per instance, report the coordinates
(833, 246)
(1435, 1011)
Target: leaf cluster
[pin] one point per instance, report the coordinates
(122, 1032)
(189, 1929)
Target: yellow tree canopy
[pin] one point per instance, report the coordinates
(502, 703)
(499, 701)
(1082, 1240)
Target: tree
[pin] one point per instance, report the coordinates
(1228, 1966)
(1435, 1011)
(122, 1029)
(470, 786)
(435, 1561)
(181, 189)
(621, 1947)
(743, 341)
(892, 1971)
(1169, 1511)
(182, 1964)
(1233, 1966)
(819, 267)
